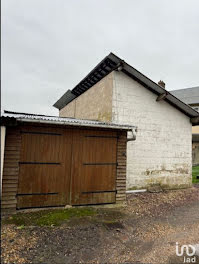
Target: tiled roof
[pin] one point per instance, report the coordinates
(188, 95)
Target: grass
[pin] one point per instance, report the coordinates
(48, 217)
(195, 172)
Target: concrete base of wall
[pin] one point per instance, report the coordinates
(173, 184)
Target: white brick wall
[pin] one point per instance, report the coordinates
(162, 150)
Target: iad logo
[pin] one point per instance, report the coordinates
(189, 250)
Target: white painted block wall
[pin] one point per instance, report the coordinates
(162, 152)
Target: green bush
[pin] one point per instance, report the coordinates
(195, 172)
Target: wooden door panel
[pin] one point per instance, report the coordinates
(42, 200)
(99, 177)
(45, 167)
(40, 148)
(52, 157)
(104, 149)
(96, 198)
(94, 167)
(40, 178)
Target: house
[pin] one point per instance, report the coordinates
(55, 161)
(191, 97)
(116, 92)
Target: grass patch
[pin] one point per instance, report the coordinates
(195, 172)
(48, 217)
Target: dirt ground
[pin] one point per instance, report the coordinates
(145, 231)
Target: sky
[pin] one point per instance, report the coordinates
(48, 46)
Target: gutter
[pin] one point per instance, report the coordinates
(133, 135)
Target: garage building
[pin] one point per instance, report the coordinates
(55, 161)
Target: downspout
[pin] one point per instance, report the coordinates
(132, 138)
(3, 136)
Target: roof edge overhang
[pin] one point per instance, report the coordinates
(102, 69)
(110, 126)
(64, 100)
(13, 120)
(111, 63)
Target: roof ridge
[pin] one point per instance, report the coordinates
(111, 63)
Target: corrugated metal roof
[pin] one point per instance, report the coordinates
(111, 63)
(26, 117)
(187, 95)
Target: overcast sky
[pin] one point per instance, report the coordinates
(48, 46)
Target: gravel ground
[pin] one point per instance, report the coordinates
(145, 231)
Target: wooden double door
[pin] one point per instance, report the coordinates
(60, 166)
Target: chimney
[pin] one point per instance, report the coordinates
(161, 83)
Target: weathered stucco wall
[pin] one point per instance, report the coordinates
(95, 103)
(68, 110)
(195, 129)
(162, 152)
